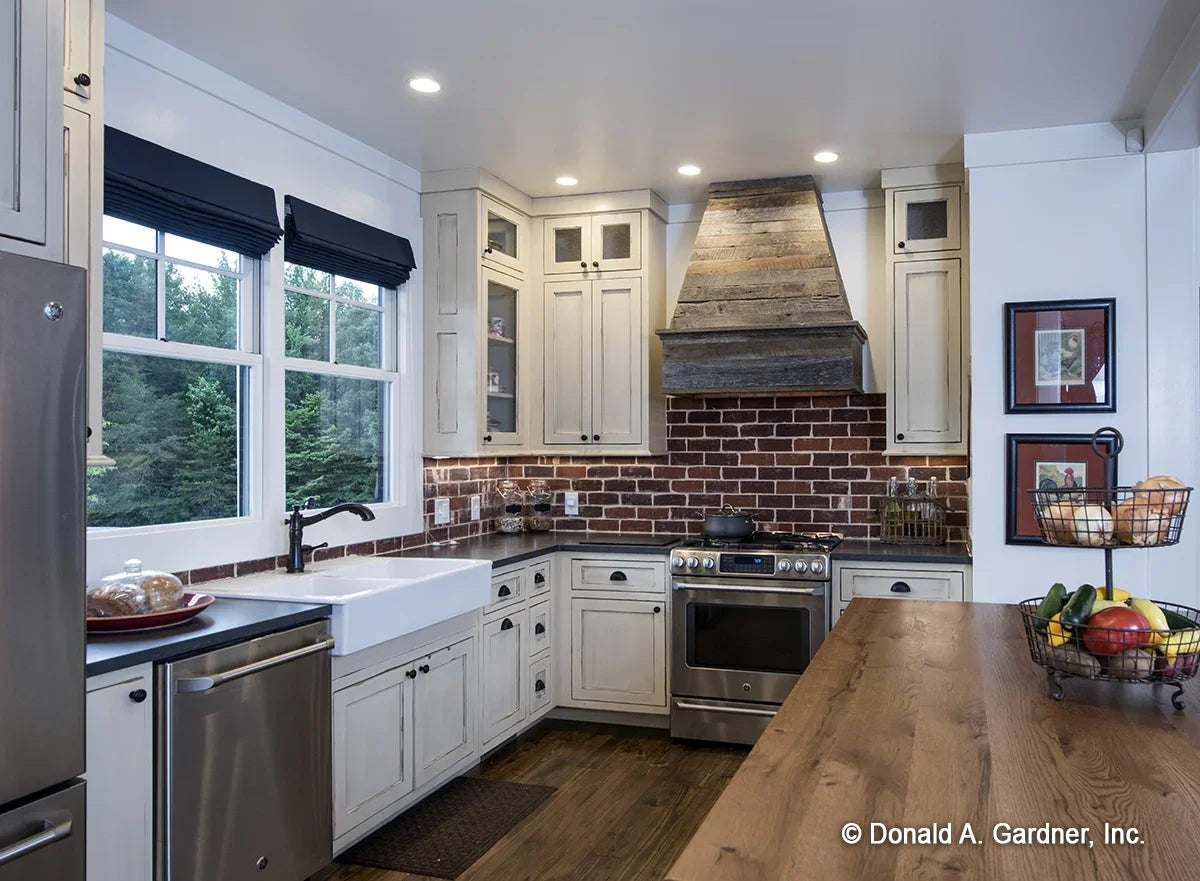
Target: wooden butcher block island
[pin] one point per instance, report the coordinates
(921, 713)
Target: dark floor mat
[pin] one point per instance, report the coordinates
(452, 828)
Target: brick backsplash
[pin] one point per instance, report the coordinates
(797, 463)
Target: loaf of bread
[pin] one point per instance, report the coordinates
(1169, 500)
(106, 600)
(1138, 523)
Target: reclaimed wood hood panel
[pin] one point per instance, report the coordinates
(763, 307)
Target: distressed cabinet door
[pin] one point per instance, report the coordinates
(503, 379)
(616, 242)
(927, 219)
(444, 710)
(927, 348)
(372, 747)
(618, 389)
(504, 666)
(505, 234)
(567, 245)
(618, 651)
(568, 363)
(23, 146)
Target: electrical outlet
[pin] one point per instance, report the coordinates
(441, 512)
(571, 504)
(475, 505)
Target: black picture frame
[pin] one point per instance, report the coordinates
(1018, 509)
(1019, 389)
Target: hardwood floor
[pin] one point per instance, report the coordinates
(628, 800)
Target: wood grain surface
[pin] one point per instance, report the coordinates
(915, 713)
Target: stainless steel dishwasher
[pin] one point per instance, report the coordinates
(244, 765)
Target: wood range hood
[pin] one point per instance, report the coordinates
(763, 309)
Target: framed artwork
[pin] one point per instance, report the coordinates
(1060, 355)
(1049, 461)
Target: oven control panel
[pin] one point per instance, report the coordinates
(715, 564)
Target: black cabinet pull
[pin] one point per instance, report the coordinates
(900, 437)
(539, 629)
(138, 695)
(411, 674)
(583, 264)
(618, 576)
(539, 578)
(595, 437)
(89, 432)
(657, 609)
(539, 686)
(583, 437)
(901, 587)
(900, 245)
(424, 668)
(503, 591)
(506, 624)
(82, 79)
(487, 438)
(595, 265)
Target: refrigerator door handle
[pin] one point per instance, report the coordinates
(52, 831)
(191, 684)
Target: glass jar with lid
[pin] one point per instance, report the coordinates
(539, 503)
(134, 591)
(512, 504)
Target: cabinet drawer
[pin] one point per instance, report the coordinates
(507, 589)
(539, 578)
(540, 684)
(539, 627)
(625, 576)
(912, 584)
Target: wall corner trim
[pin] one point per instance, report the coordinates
(1059, 143)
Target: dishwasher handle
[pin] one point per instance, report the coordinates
(191, 684)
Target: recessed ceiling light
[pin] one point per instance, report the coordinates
(826, 156)
(565, 181)
(424, 84)
(689, 169)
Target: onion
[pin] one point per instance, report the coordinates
(1093, 525)
(1058, 524)
(1137, 523)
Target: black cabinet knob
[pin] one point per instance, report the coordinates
(584, 264)
(424, 668)
(82, 79)
(487, 250)
(900, 437)
(506, 624)
(138, 695)
(539, 629)
(411, 674)
(583, 437)
(657, 609)
(595, 437)
(487, 438)
(900, 245)
(595, 265)
(504, 591)
(901, 587)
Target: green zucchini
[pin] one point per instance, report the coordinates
(1177, 622)
(1078, 607)
(1050, 606)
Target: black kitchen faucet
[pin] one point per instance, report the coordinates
(296, 523)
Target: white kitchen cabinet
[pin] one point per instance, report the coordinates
(541, 694)
(949, 582)
(30, 153)
(539, 627)
(443, 710)
(505, 236)
(504, 664)
(83, 47)
(592, 243)
(928, 365)
(595, 376)
(372, 746)
(120, 775)
(618, 651)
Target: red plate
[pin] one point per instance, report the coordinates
(193, 605)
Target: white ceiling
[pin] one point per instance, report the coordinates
(620, 93)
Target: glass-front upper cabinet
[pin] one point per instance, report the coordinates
(593, 243)
(927, 219)
(504, 236)
(501, 380)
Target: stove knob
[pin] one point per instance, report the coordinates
(677, 563)
(785, 565)
(693, 563)
(801, 567)
(708, 563)
(817, 567)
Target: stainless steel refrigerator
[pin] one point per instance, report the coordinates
(43, 322)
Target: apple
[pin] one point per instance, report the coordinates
(1112, 630)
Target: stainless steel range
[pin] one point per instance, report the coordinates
(747, 617)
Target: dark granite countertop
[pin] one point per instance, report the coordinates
(503, 550)
(861, 549)
(225, 622)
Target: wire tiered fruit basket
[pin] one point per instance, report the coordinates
(1104, 633)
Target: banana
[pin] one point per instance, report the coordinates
(1180, 642)
(1153, 614)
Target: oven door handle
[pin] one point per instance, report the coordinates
(818, 591)
(737, 711)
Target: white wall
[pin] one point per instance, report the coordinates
(855, 222)
(156, 92)
(1069, 229)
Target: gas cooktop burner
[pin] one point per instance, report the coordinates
(803, 542)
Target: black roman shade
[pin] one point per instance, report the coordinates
(157, 187)
(322, 240)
